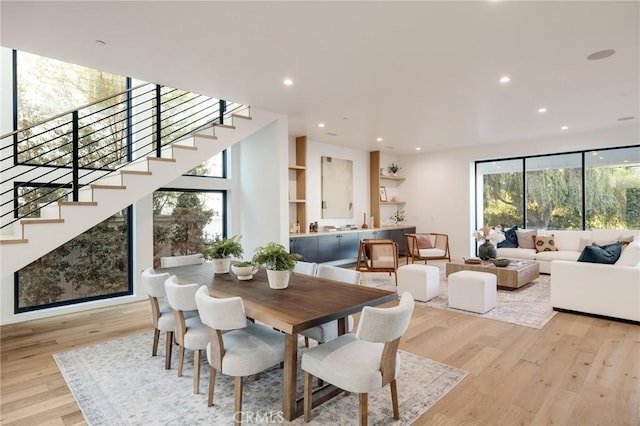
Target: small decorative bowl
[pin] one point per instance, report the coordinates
(501, 262)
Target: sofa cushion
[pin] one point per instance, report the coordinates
(424, 241)
(568, 240)
(510, 238)
(608, 254)
(630, 256)
(525, 238)
(517, 253)
(558, 255)
(544, 243)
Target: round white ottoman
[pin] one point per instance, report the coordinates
(422, 281)
(472, 291)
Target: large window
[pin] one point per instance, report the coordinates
(93, 265)
(184, 219)
(580, 190)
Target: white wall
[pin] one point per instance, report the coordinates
(439, 185)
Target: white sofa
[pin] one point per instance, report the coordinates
(595, 288)
(569, 243)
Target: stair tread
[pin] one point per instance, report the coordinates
(192, 148)
(225, 126)
(40, 220)
(12, 239)
(201, 135)
(77, 203)
(244, 117)
(134, 172)
(172, 160)
(101, 186)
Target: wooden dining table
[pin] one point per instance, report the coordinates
(307, 302)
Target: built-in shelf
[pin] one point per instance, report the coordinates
(392, 202)
(297, 168)
(392, 177)
(298, 206)
(297, 201)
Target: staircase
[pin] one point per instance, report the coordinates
(25, 239)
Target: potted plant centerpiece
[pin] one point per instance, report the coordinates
(244, 270)
(279, 263)
(220, 251)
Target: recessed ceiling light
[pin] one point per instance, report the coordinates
(594, 152)
(418, 148)
(320, 124)
(505, 79)
(600, 158)
(542, 110)
(379, 140)
(288, 82)
(601, 54)
(564, 127)
(626, 118)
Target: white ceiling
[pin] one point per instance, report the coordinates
(418, 74)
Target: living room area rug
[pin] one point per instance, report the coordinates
(120, 383)
(529, 306)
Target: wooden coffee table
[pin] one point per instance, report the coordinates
(514, 276)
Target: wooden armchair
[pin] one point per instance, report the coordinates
(427, 246)
(378, 256)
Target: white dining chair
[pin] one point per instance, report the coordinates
(305, 268)
(363, 362)
(190, 332)
(329, 330)
(162, 315)
(243, 350)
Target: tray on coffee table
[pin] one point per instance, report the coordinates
(515, 275)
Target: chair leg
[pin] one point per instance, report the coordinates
(237, 416)
(168, 350)
(306, 342)
(308, 379)
(212, 385)
(396, 274)
(156, 338)
(394, 400)
(180, 360)
(196, 371)
(363, 409)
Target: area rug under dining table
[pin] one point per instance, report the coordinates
(119, 383)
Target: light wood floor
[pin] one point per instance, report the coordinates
(576, 371)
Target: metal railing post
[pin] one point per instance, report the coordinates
(223, 109)
(75, 157)
(158, 124)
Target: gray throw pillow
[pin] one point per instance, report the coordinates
(525, 238)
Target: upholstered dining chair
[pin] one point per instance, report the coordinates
(305, 268)
(427, 246)
(243, 350)
(190, 259)
(329, 330)
(362, 362)
(161, 314)
(378, 256)
(190, 332)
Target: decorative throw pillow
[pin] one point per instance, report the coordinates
(510, 238)
(525, 238)
(424, 241)
(607, 254)
(544, 243)
(630, 256)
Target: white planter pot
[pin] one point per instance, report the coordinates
(244, 272)
(221, 266)
(278, 279)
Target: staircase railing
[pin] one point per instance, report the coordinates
(51, 160)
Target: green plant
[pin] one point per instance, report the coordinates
(221, 248)
(398, 216)
(243, 264)
(393, 168)
(275, 257)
